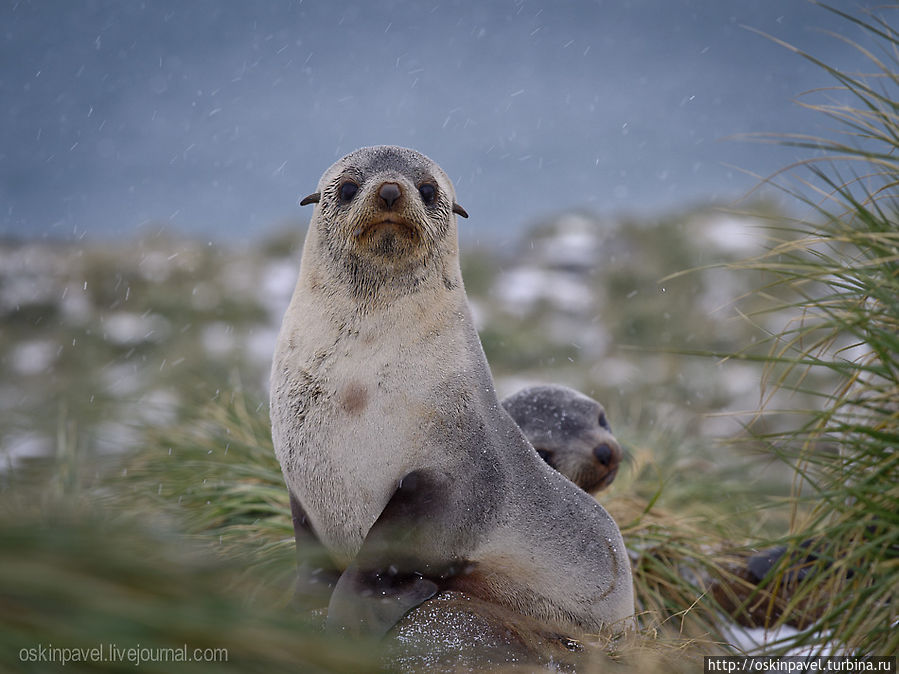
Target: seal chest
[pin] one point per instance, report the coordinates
(364, 424)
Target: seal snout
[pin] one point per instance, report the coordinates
(608, 456)
(389, 194)
(605, 454)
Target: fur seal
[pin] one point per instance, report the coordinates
(382, 400)
(570, 431)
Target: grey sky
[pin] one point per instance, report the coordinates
(215, 117)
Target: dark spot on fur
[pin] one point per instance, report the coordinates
(354, 398)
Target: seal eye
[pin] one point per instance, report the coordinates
(603, 422)
(428, 193)
(348, 190)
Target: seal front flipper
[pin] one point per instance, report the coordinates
(316, 572)
(372, 602)
(399, 565)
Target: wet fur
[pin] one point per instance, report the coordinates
(391, 325)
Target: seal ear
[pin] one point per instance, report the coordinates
(313, 198)
(457, 209)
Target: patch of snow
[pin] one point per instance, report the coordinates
(26, 290)
(278, 282)
(756, 640)
(127, 329)
(218, 339)
(574, 245)
(75, 305)
(852, 350)
(725, 424)
(34, 357)
(480, 314)
(260, 344)
(592, 339)
(21, 446)
(122, 379)
(159, 407)
(735, 235)
(506, 386)
(112, 437)
(740, 379)
(156, 266)
(523, 288)
(614, 372)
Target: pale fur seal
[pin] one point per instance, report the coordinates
(389, 433)
(570, 431)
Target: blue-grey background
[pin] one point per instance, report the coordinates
(213, 118)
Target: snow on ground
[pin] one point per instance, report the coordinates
(27, 290)
(506, 386)
(127, 329)
(740, 236)
(591, 339)
(113, 437)
(278, 281)
(122, 379)
(615, 372)
(521, 289)
(156, 266)
(758, 641)
(75, 306)
(218, 339)
(33, 357)
(260, 344)
(159, 407)
(17, 447)
(574, 244)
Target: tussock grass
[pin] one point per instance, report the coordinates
(217, 473)
(85, 573)
(221, 479)
(840, 281)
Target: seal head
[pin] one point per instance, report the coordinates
(383, 214)
(570, 431)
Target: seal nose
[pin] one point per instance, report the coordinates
(604, 454)
(390, 193)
